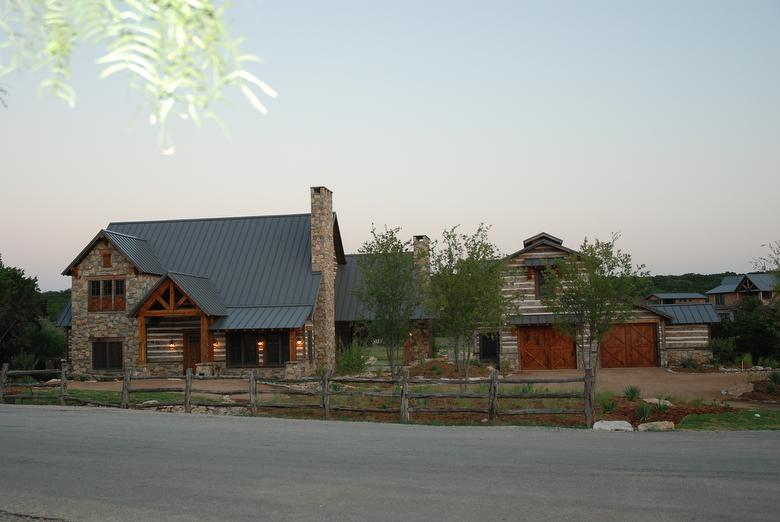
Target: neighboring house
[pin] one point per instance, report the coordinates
(657, 335)
(675, 298)
(221, 294)
(733, 289)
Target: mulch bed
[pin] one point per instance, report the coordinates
(626, 410)
(443, 369)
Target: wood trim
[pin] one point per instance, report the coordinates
(204, 338)
(142, 340)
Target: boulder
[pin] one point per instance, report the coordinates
(150, 403)
(662, 402)
(656, 426)
(604, 425)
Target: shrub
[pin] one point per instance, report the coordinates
(724, 350)
(661, 407)
(438, 370)
(23, 361)
(527, 388)
(690, 364)
(351, 360)
(771, 387)
(608, 405)
(631, 393)
(775, 377)
(643, 411)
(768, 362)
(746, 360)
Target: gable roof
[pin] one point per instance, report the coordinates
(198, 288)
(136, 249)
(542, 239)
(763, 281)
(687, 313)
(678, 295)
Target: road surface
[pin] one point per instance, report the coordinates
(107, 464)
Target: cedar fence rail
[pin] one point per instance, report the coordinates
(400, 390)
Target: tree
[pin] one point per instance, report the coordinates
(20, 307)
(465, 289)
(590, 291)
(178, 53)
(388, 290)
(755, 330)
(770, 262)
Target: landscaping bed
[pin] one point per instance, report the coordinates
(444, 369)
(628, 411)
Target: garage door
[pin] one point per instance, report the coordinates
(545, 348)
(627, 345)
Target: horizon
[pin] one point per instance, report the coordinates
(580, 120)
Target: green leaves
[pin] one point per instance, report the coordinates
(178, 54)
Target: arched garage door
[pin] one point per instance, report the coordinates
(627, 345)
(545, 348)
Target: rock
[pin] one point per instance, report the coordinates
(151, 402)
(656, 426)
(484, 420)
(53, 381)
(227, 398)
(662, 402)
(603, 425)
(199, 409)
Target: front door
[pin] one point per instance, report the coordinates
(191, 351)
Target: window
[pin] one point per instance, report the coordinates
(720, 299)
(106, 259)
(107, 355)
(106, 295)
(767, 295)
(276, 351)
(242, 348)
(542, 286)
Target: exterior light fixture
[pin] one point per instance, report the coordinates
(171, 344)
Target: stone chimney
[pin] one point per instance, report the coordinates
(323, 260)
(421, 246)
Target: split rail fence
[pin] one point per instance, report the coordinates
(407, 398)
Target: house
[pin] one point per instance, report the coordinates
(675, 298)
(215, 295)
(657, 334)
(733, 289)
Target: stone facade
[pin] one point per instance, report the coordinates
(323, 260)
(115, 325)
(418, 347)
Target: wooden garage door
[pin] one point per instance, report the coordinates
(545, 348)
(627, 345)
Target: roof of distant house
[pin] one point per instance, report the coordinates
(763, 281)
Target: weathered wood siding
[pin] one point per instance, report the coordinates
(687, 336)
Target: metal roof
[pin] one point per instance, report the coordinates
(540, 236)
(64, 320)
(688, 313)
(765, 282)
(542, 239)
(201, 291)
(137, 250)
(348, 306)
(678, 295)
(250, 261)
(257, 317)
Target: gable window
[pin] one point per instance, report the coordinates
(106, 259)
(720, 299)
(106, 295)
(107, 355)
(542, 287)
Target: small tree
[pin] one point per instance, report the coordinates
(465, 288)
(20, 307)
(770, 262)
(591, 291)
(388, 290)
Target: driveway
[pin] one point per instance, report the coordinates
(109, 464)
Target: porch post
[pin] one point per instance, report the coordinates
(142, 340)
(204, 338)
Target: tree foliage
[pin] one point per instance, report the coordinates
(698, 283)
(592, 290)
(770, 262)
(388, 290)
(178, 53)
(466, 288)
(755, 329)
(20, 307)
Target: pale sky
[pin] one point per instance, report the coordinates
(660, 120)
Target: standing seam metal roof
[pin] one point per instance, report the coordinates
(689, 313)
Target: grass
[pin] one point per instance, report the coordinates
(740, 420)
(631, 393)
(108, 397)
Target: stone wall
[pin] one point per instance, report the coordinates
(323, 260)
(88, 326)
(418, 346)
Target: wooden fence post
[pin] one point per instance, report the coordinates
(125, 389)
(590, 397)
(3, 377)
(325, 397)
(188, 391)
(63, 382)
(253, 391)
(405, 395)
(493, 396)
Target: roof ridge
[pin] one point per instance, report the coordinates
(267, 305)
(223, 218)
(187, 274)
(123, 234)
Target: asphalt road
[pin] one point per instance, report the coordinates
(107, 464)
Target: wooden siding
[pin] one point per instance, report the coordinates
(687, 336)
(159, 337)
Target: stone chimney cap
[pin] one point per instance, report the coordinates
(421, 238)
(317, 190)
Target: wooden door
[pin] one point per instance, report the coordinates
(545, 348)
(191, 351)
(629, 345)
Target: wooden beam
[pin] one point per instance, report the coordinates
(210, 344)
(204, 338)
(142, 340)
(172, 313)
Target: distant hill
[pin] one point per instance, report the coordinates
(55, 302)
(686, 283)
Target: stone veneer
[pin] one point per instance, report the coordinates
(323, 260)
(89, 326)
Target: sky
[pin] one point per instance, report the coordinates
(659, 120)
